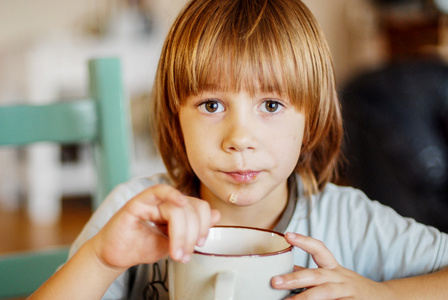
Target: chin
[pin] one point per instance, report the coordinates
(242, 200)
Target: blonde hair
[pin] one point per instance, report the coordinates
(261, 45)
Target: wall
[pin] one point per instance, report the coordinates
(22, 20)
(352, 30)
(341, 20)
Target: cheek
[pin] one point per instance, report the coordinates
(288, 143)
(288, 148)
(198, 146)
(190, 138)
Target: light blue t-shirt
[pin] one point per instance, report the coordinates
(363, 235)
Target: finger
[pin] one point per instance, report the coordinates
(215, 217)
(204, 215)
(160, 193)
(168, 193)
(172, 215)
(320, 253)
(192, 231)
(183, 228)
(178, 232)
(145, 205)
(304, 278)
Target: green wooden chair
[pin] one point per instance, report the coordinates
(102, 120)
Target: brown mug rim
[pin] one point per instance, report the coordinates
(288, 249)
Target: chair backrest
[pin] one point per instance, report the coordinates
(100, 119)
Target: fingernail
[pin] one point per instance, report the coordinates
(179, 254)
(201, 242)
(277, 281)
(292, 235)
(186, 258)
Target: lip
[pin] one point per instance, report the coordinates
(246, 176)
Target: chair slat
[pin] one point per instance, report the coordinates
(113, 153)
(23, 273)
(62, 122)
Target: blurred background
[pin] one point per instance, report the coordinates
(389, 58)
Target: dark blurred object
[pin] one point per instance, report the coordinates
(411, 28)
(411, 37)
(399, 2)
(396, 122)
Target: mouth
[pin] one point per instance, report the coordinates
(243, 176)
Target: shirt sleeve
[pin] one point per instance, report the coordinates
(372, 239)
(389, 246)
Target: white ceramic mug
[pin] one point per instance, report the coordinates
(236, 263)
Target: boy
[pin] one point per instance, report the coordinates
(247, 121)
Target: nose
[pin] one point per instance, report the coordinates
(240, 135)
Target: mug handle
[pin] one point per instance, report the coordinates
(225, 285)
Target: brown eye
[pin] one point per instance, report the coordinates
(211, 106)
(271, 106)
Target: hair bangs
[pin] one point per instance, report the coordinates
(250, 51)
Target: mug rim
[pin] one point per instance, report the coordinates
(287, 249)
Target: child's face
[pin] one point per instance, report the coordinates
(238, 144)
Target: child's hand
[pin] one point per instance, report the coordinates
(329, 280)
(127, 240)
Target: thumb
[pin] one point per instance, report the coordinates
(320, 253)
